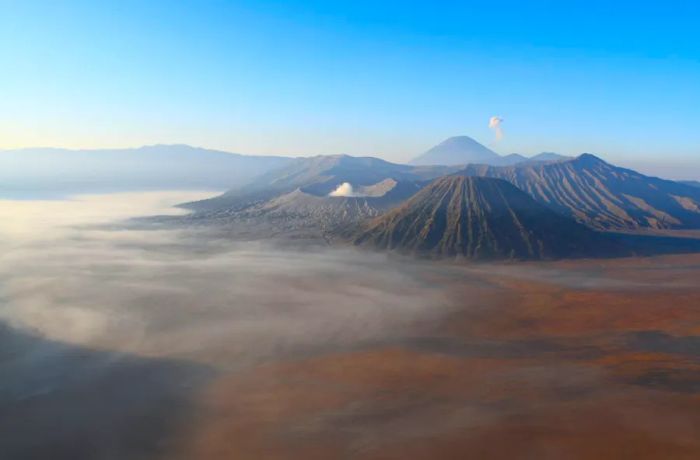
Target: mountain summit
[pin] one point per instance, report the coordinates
(458, 150)
(463, 150)
(480, 218)
(601, 195)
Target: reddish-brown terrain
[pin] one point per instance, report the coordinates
(164, 344)
(570, 360)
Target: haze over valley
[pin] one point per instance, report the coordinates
(153, 342)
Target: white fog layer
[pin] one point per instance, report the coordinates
(67, 276)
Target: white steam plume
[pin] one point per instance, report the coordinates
(344, 189)
(495, 124)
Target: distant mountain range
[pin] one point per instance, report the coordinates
(152, 167)
(547, 206)
(692, 183)
(319, 176)
(463, 150)
(587, 189)
(481, 218)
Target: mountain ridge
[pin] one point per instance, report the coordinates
(147, 167)
(480, 218)
(319, 175)
(601, 195)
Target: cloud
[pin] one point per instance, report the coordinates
(495, 125)
(344, 189)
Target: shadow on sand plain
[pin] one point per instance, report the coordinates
(62, 401)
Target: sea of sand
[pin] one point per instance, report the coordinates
(125, 342)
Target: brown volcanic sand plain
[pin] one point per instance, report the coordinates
(574, 360)
(120, 343)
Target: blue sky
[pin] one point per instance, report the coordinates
(621, 79)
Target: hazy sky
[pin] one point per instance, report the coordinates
(621, 79)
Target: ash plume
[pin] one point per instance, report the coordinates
(495, 125)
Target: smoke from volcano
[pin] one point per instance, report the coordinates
(344, 189)
(495, 124)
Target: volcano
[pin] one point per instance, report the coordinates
(481, 218)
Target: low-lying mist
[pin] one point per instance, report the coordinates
(129, 339)
(103, 322)
(67, 276)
